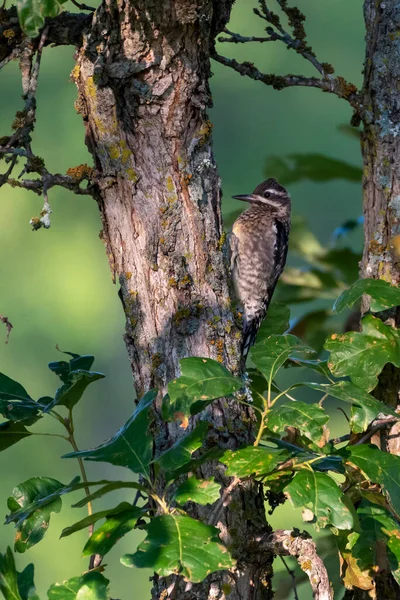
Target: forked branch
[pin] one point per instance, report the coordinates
(295, 41)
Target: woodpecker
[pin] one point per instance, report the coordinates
(259, 244)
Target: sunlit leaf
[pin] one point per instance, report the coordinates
(252, 460)
(202, 380)
(33, 500)
(379, 467)
(131, 446)
(90, 586)
(309, 419)
(363, 355)
(115, 527)
(365, 408)
(377, 527)
(179, 544)
(319, 493)
(201, 491)
(270, 354)
(181, 452)
(383, 295)
(32, 528)
(316, 167)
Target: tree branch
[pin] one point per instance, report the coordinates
(334, 85)
(300, 545)
(64, 30)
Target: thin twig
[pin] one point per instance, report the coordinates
(8, 325)
(293, 576)
(82, 6)
(297, 42)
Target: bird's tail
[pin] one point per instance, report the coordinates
(249, 334)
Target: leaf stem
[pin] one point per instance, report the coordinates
(95, 559)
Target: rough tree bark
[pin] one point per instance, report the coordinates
(142, 77)
(380, 145)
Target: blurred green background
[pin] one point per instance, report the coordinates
(56, 285)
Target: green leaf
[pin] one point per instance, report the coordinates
(310, 419)
(394, 556)
(131, 446)
(270, 354)
(11, 433)
(277, 321)
(90, 586)
(115, 527)
(110, 486)
(30, 16)
(202, 380)
(23, 513)
(316, 167)
(318, 492)
(71, 392)
(77, 363)
(93, 518)
(362, 356)
(383, 295)
(252, 461)
(15, 402)
(26, 584)
(179, 544)
(181, 452)
(201, 491)
(365, 408)
(32, 527)
(320, 366)
(9, 577)
(377, 528)
(50, 8)
(379, 467)
(12, 390)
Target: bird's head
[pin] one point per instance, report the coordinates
(268, 193)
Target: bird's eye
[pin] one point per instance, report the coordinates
(267, 195)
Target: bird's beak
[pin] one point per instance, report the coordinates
(245, 197)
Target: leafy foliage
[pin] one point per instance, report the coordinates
(90, 586)
(131, 447)
(32, 13)
(202, 381)
(179, 544)
(362, 355)
(14, 585)
(292, 456)
(320, 493)
(382, 293)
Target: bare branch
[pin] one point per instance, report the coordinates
(8, 325)
(333, 85)
(301, 546)
(297, 41)
(64, 30)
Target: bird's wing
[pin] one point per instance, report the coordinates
(252, 324)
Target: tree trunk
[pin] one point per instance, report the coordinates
(142, 77)
(381, 187)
